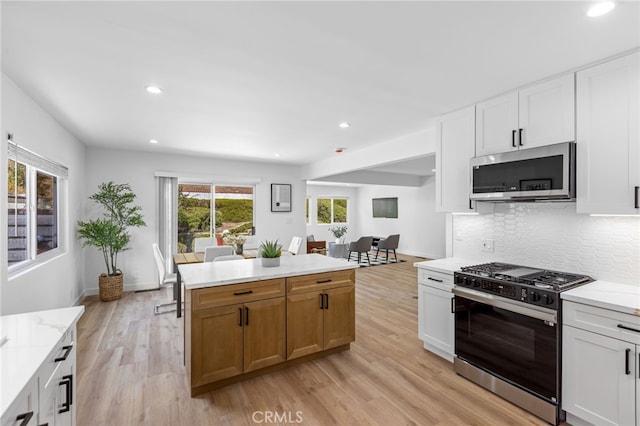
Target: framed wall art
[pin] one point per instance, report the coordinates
(280, 197)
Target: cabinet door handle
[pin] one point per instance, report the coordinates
(326, 301)
(513, 138)
(636, 197)
(627, 369)
(240, 315)
(240, 293)
(25, 418)
(453, 305)
(323, 281)
(67, 351)
(246, 320)
(470, 205)
(624, 327)
(67, 381)
(321, 301)
(520, 137)
(434, 279)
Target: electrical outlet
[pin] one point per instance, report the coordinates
(487, 245)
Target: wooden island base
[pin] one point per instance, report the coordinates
(198, 390)
(237, 331)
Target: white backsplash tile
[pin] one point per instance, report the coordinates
(553, 236)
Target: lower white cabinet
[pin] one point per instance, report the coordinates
(39, 389)
(24, 409)
(57, 385)
(600, 366)
(435, 319)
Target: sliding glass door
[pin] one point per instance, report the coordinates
(209, 211)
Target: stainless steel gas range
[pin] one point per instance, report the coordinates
(508, 335)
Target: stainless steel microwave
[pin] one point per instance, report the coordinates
(542, 173)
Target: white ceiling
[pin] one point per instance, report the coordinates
(251, 79)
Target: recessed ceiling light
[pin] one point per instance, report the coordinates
(344, 125)
(153, 141)
(276, 155)
(154, 89)
(601, 8)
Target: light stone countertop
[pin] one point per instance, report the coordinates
(30, 338)
(211, 274)
(618, 297)
(448, 265)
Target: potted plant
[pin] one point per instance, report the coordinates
(235, 240)
(339, 232)
(270, 253)
(110, 233)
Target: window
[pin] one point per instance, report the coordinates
(207, 210)
(332, 210)
(33, 206)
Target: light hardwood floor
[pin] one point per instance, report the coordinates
(131, 372)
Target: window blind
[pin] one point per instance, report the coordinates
(30, 158)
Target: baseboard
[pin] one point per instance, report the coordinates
(127, 287)
(420, 254)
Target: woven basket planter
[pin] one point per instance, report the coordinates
(110, 287)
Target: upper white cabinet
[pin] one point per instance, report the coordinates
(542, 114)
(608, 137)
(455, 146)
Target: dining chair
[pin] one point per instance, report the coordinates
(228, 257)
(389, 243)
(211, 253)
(363, 245)
(164, 278)
(294, 246)
(201, 243)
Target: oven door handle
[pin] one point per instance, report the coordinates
(547, 315)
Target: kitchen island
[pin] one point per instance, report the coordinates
(243, 319)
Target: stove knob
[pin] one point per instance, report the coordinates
(535, 296)
(547, 299)
(475, 282)
(465, 280)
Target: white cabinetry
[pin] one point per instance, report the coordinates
(435, 319)
(538, 115)
(57, 384)
(38, 369)
(24, 409)
(600, 365)
(608, 137)
(455, 146)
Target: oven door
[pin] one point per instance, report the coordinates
(516, 342)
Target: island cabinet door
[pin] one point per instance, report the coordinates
(264, 333)
(217, 344)
(304, 324)
(339, 317)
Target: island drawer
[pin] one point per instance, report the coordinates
(231, 294)
(323, 281)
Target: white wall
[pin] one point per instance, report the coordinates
(421, 228)
(553, 236)
(321, 231)
(138, 168)
(57, 283)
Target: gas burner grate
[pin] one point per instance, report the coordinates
(487, 269)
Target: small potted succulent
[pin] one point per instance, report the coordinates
(270, 252)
